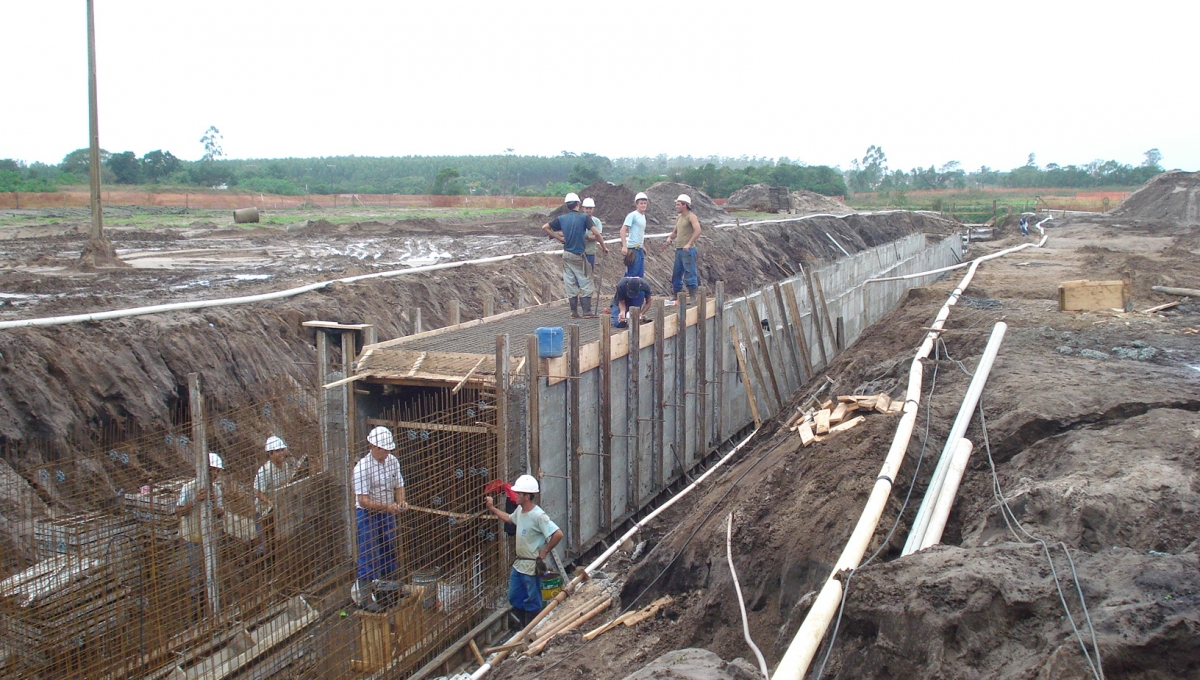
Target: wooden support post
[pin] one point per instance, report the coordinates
(840, 335)
(746, 334)
(573, 458)
(790, 338)
(657, 397)
(547, 292)
(533, 459)
(719, 357)
(489, 307)
(323, 397)
(825, 311)
(765, 350)
(415, 320)
(503, 355)
(798, 331)
(737, 347)
(522, 302)
(680, 445)
(779, 354)
(816, 320)
(633, 426)
(209, 529)
(702, 376)
(349, 422)
(605, 424)
(455, 313)
(370, 336)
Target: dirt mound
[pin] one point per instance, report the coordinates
(613, 203)
(695, 664)
(662, 205)
(806, 202)
(761, 197)
(1172, 196)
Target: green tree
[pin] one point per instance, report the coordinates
(78, 161)
(125, 166)
(445, 183)
(1153, 159)
(158, 164)
(211, 139)
(583, 174)
(867, 175)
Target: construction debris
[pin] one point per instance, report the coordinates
(630, 619)
(818, 425)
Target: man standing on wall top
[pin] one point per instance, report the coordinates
(571, 229)
(537, 535)
(684, 235)
(633, 234)
(379, 490)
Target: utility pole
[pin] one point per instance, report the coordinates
(94, 124)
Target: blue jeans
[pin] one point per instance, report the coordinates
(376, 544)
(591, 259)
(637, 301)
(638, 268)
(524, 591)
(685, 269)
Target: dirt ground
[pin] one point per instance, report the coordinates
(1093, 425)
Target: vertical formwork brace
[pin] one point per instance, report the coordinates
(350, 422)
(818, 335)
(503, 355)
(208, 526)
(752, 359)
(798, 329)
(719, 358)
(789, 338)
(765, 351)
(657, 397)
(605, 424)
(322, 397)
(679, 447)
(573, 454)
(533, 457)
(633, 439)
(702, 376)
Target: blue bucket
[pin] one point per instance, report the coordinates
(550, 342)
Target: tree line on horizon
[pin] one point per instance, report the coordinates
(511, 174)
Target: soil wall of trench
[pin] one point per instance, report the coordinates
(63, 383)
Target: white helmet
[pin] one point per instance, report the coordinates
(382, 437)
(684, 198)
(214, 461)
(589, 203)
(526, 484)
(275, 444)
(571, 198)
(641, 196)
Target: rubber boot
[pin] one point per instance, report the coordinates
(692, 294)
(515, 620)
(574, 308)
(587, 308)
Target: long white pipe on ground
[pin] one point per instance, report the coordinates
(799, 655)
(599, 561)
(965, 413)
(941, 512)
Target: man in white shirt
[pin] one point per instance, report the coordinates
(633, 235)
(537, 535)
(187, 508)
(272, 476)
(379, 493)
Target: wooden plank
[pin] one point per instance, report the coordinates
(789, 337)
(882, 403)
(417, 364)
(737, 346)
(1092, 295)
(648, 611)
(489, 307)
(825, 310)
(765, 350)
(798, 331)
(747, 333)
(503, 357)
(839, 413)
(658, 397)
(453, 649)
(573, 444)
(333, 325)
(467, 377)
(849, 424)
(532, 416)
(476, 653)
(679, 446)
(455, 314)
(806, 434)
(605, 424)
(415, 319)
(818, 333)
(416, 335)
(821, 420)
(323, 399)
(633, 439)
(702, 383)
(439, 427)
(719, 355)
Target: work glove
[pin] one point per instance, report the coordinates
(540, 567)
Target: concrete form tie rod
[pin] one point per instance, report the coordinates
(803, 647)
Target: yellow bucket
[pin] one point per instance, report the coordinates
(551, 586)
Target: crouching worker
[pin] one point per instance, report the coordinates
(632, 291)
(537, 535)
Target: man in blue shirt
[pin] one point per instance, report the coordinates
(631, 292)
(571, 229)
(633, 233)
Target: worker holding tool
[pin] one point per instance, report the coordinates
(633, 234)
(589, 252)
(684, 235)
(571, 230)
(187, 508)
(631, 292)
(379, 490)
(537, 535)
(272, 476)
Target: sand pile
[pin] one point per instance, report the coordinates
(807, 202)
(761, 197)
(662, 205)
(613, 202)
(1172, 196)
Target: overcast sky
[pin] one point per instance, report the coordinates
(983, 83)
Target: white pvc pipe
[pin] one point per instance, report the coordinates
(496, 658)
(941, 512)
(804, 645)
(737, 588)
(965, 414)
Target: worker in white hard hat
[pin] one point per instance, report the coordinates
(379, 493)
(589, 252)
(537, 535)
(633, 234)
(271, 476)
(187, 508)
(571, 229)
(683, 236)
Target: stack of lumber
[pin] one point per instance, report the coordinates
(631, 618)
(584, 610)
(835, 417)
